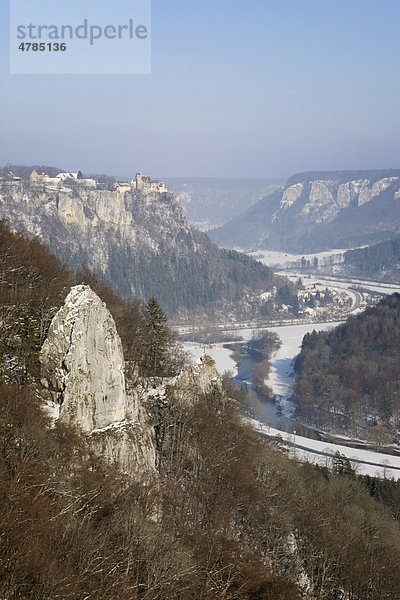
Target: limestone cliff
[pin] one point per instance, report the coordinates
(193, 382)
(187, 388)
(142, 244)
(83, 363)
(83, 372)
(317, 211)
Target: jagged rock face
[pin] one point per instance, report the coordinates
(319, 211)
(200, 379)
(291, 195)
(83, 368)
(187, 388)
(86, 224)
(130, 445)
(83, 362)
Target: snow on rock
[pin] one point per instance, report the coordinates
(349, 191)
(186, 389)
(291, 195)
(368, 193)
(199, 379)
(222, 356)
(83, 369)
(83, 362)
(129, 444)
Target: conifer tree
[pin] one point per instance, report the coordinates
(158, 337)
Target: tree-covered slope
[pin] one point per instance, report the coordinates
(380, 261)
(228, 516)
(33, 286)
(348, 379)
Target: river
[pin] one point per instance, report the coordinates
(276, 413)
(273, 418)
(262, 408)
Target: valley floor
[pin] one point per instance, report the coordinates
(280, 379)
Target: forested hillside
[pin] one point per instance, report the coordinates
(34, 285)
(348, 379)
(228, 516)
(381, 261)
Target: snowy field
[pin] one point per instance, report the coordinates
(221, 355)
(280, 259)
(272, 258)
(373, 286)
(365, 462)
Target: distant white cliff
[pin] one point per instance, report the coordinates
(319, 211)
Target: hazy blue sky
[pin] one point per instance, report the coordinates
(259, 88)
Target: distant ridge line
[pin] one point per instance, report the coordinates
(343, 176)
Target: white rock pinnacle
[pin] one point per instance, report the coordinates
(83, 363)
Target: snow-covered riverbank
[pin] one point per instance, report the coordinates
(281, 375)
(365, 462)
(222, 356)
(281, 378)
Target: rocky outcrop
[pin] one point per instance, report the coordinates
(83, 363)
(319, 211)
(83, 371)
(186, 389)
(291, 195)
(193, 382)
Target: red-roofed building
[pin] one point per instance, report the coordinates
(38, 177)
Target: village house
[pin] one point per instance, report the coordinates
(122, 186)
(39, 177)
(140, 182)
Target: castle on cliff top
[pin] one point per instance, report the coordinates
(140, 183)
(143, 183)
